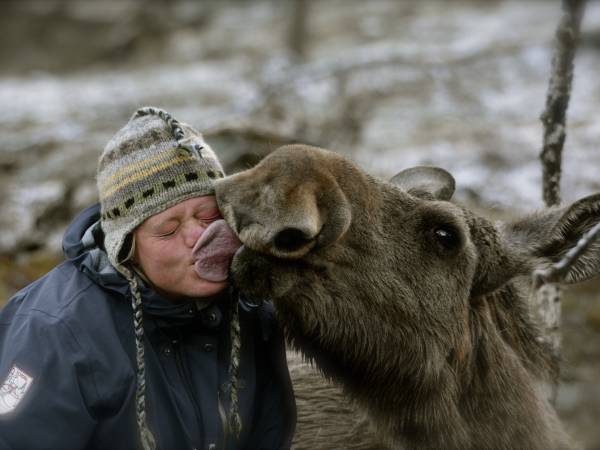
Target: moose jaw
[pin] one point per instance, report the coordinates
(415, 305)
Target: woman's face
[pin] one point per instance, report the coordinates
(163, 248)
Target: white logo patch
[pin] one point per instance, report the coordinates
(13, 389)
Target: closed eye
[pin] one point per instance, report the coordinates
(209, 218)
(167, 234)
(213, 217)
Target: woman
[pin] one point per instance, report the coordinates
(138, 339)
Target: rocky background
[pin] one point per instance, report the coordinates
(459, 84)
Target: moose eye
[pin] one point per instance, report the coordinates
(447, 236)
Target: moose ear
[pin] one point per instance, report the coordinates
(551, 234)
(432, 183)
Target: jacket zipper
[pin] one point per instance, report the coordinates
(183, 370)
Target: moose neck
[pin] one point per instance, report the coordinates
(502, 401)
(489, 401)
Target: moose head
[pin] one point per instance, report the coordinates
(416, 305)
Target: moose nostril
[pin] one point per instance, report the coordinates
(291, 239)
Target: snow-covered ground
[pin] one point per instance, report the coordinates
(392, 84)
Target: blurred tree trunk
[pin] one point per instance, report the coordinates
(554, 123)
(298, 34)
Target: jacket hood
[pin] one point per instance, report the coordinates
(83, 246)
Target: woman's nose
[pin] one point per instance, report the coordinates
(192, 232)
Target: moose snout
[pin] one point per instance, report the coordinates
(286, 230)
(282, 241)
(293, 242)
(287, 241)
(291, 239)
(280, 233)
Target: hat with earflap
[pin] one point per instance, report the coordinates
(151, 164)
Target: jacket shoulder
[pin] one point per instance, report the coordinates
(66, 318)
(65, 293)
(93, 317)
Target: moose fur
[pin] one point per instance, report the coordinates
(414, 304)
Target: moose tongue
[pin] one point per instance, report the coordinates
(214, 251)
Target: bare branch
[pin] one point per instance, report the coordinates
(557, 99)
(547, 295)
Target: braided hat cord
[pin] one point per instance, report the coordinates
(235, 421)
(148, 441)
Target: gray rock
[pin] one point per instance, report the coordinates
(27, 214)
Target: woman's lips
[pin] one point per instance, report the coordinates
(214, 250)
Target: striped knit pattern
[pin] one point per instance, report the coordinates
(151, 164)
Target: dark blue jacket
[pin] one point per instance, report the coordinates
(67, 363)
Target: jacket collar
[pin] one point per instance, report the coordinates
(83, 246)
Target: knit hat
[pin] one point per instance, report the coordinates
(151, 164)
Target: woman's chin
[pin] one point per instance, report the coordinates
(206, 288)
(198, 289)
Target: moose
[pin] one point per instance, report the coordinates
(415, 305)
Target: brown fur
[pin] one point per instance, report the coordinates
(426, 329)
